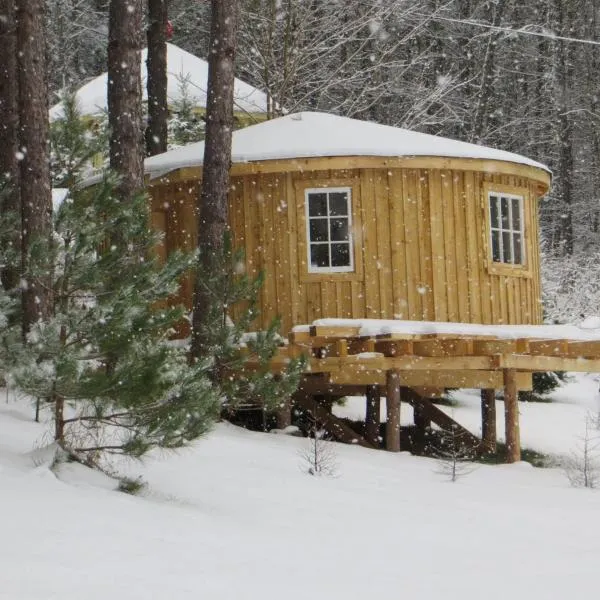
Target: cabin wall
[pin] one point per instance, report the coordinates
(421, 238)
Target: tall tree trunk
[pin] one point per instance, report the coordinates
(563, 132)
(125, 95)
(9, 129)
(212, 209)
(156, 131)
(486, 87)
(35, 186)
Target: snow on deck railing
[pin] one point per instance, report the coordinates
(587, 330)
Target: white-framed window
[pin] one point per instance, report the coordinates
(329, 230)
(507, 233)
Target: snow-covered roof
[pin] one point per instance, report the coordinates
(181, 65)
(313, 134)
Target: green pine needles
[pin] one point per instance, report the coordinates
(105, 364)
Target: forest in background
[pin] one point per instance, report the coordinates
(519, 76)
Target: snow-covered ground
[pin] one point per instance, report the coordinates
(235, 517)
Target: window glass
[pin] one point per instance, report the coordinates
(317, 205)
(506, 228)
(319, 255)
(494, 211)
(318, 230)
(340, 255)
(339, 229)
(329, 226)
(496, 255)
(338, 203)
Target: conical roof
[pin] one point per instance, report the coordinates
(181, 65)
(312, 134)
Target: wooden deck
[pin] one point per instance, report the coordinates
(417, 367)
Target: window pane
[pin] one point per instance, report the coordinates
(317, 205)
(496, 246)
(319, 255)
(494, 211)
(516, 215)
(517, 246)
(338, 203)
(506, 243)
(339, 230)
(504, 209)
(340, 255)
(318, 230)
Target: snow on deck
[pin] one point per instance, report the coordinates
(587, 330)
(181, 65)
(313, 134)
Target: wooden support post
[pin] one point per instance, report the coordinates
(488, 421)
(511, 416)
(392, 428)
(372, 415)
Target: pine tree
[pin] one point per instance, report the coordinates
(104, 362)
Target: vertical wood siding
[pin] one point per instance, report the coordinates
(422, 246)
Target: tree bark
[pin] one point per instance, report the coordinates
(35, 183)
(213, 201)
(125, 95)
(156, 131)
(9, 129)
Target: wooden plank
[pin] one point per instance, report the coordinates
(332, 424)
(334, 331)
(472, 379)
(411, 232)
(296, 288)
(443, 347)
(524, 362)
(392, 426)
(583, 349)
(303, 165)
(548, 347)
(511, 417)
(491, 347)
(428, 410)
(460, 247)
(437, 246)
(472, 255)
(449, 239)
(369, 240)
(394, 348)
(383, 259)
(398, 245)
(330, 365)
(425, 231)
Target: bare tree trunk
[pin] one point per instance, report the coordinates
(35, 186)
(212, 209)
(125, 95)
(486, 87)
(156, 131)
(9, 129)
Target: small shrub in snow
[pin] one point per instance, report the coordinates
(319, 459)
(582, 465)
(454, 455)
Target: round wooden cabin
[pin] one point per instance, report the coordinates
(351, 219)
